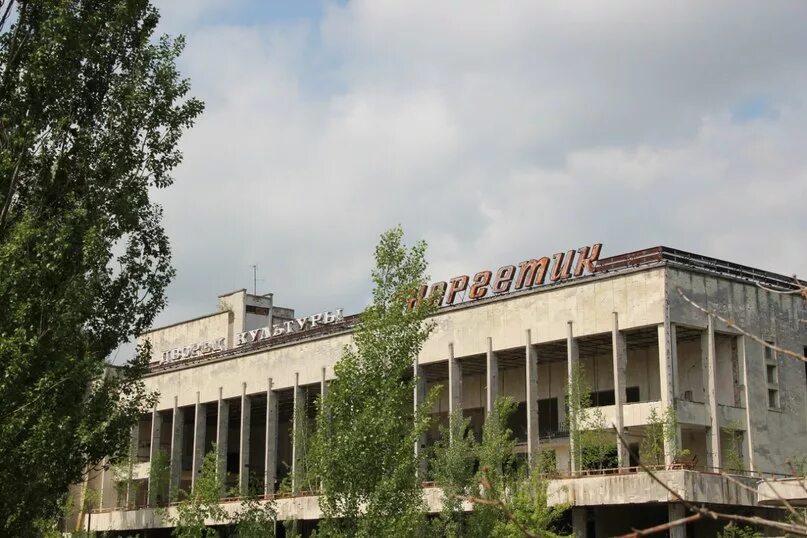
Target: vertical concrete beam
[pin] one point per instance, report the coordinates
(531, 374)
(620, 363)
(579, 522)
(222, 435)
(270, 462)
(491, 378)
(176, 449)
(199, 433)
(572, 360)
(298, 417)
(713, 453)
(134, 443)
(742, 343)
(667, 382)
(454, 383)
(156, 433)
(243, 452)
(676, 511)
(323, 385)
(418, 398)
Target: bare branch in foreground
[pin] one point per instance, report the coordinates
(705, 512)
(498, 503)
(731, 324)
(661, 528)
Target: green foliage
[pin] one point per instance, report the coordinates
(732, 448)
(159, 476)
(732, 530)
(255, 519)
(594, 446)
(496, 452)
(200, 504)
(527, 501)
(452, 465)
(91, 112)
(123, 477)
(363, 444)
(660, 427)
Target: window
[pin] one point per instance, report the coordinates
(547, 417)
(632, 394)
(773, 398)
(260, 310)
(771, 373)
(602, 397)
(772, 376)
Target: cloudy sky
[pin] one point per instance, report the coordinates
(497, 131)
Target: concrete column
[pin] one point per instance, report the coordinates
(677, 511)
(713, 454)
(222, 433)
(491, 378)
(531, 375)
(270, 463)
(579, 522)
(297, 423)
(419, 397)
(742, 346)
(667, 382)
(134, 443)
(454, 383)
(176, 449)
(620, 362)
(156, 431)
(243, 452)
(572, 360)
(323, 385)
(199, 433)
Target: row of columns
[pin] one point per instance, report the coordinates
(222, 434)
(668, 382)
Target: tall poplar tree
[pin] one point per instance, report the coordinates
(91, 111)
(363, 446)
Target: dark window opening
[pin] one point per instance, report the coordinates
(548, 417)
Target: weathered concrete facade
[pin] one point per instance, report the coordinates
(642, 346)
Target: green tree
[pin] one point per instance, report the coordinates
(159, 476)
(202, 503)
(91, 111)
(593, 445)
(497, 467)
(452, 465)
(367, 428)
(661, 428)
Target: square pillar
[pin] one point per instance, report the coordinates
(742, 343)
(531, 392)
(419, 397)
(134, 442)
(579, 522)
(222, 429)
(620, 362)
(491, 378)
(270, 463)
(176, 450)
(156, 433)
(297, 417)
(676, 511)
(454, 382)
(572, 360)
(713, 453)
(199, 432)
(243, 463)
(667, 382)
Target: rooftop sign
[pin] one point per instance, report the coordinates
(527, 274)
(256, 335)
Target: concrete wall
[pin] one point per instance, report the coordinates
(190, 332)
(778, 434)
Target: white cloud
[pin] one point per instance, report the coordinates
(496, 131)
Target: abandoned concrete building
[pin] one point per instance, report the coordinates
(236, 376)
